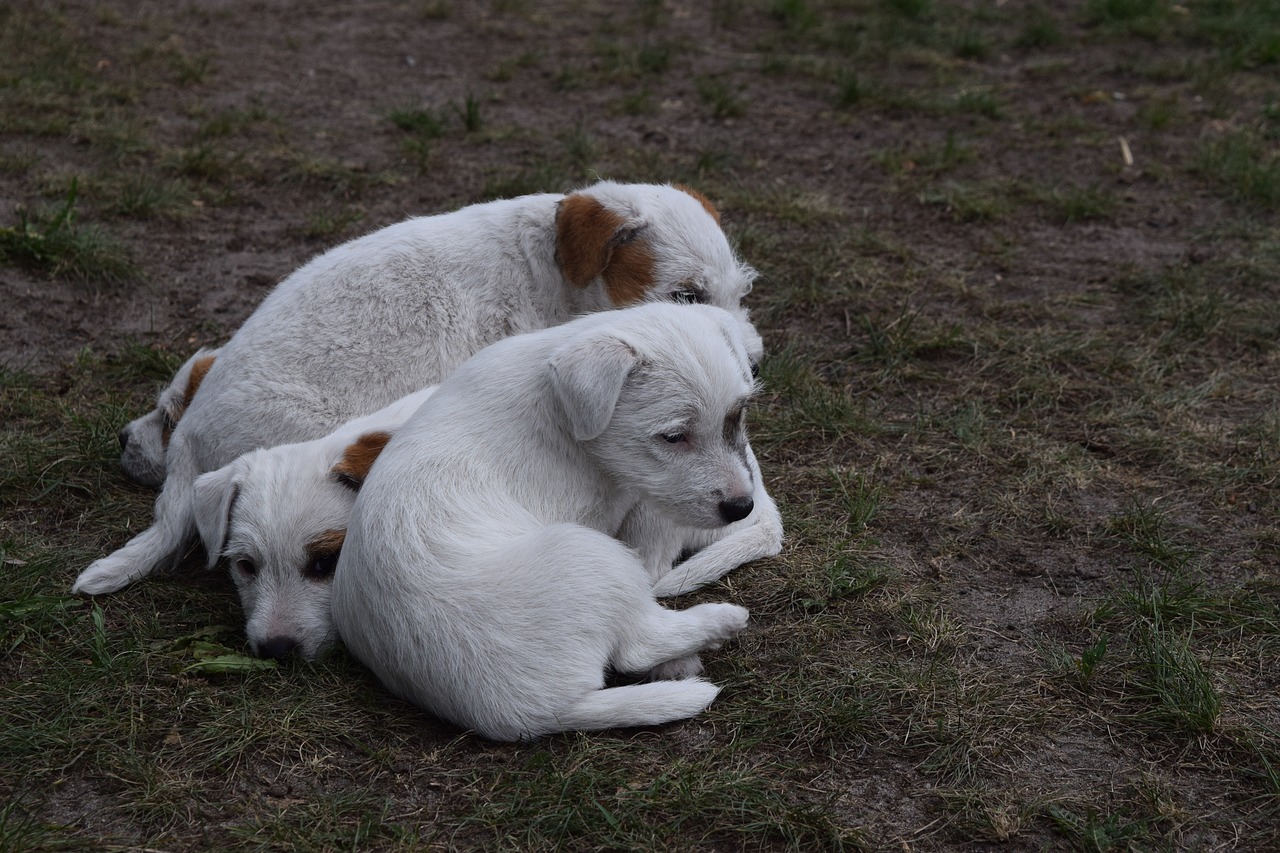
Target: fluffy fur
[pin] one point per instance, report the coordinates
(279, 516)
(144, 440)
(396, 310)
(480, 578)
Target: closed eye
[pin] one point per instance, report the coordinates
(689, 297)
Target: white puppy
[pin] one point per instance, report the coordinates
(396, 310)
(279, 516)
(479, 577)
(144, 440)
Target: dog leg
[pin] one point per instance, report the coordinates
(761, 538)
(160, 545)
(661, 636)
(634, 705)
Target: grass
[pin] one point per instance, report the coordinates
(1019, 414)
(51, 241)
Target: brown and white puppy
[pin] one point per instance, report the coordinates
(396, 310)
(144, 440)
(279, 515)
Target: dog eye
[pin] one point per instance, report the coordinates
(673, 437)
(689, 297)
(755, 370)
(246, 568)
(321, 568)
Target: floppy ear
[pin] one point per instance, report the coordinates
(213, 501)
(593, 241)
(587, 376)
(358, 458)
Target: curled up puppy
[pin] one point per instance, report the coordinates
(480, 577)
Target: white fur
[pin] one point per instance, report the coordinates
(480, 578)
(262, 511)
(143, 440)
(395, 311)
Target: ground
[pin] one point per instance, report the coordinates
(1020, 289)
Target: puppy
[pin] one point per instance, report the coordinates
(396, 310)
(479, 578)
(279, 517)
(143, 441)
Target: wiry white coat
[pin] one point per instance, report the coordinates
(395, 311)
(480, 578)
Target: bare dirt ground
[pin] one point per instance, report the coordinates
(1019, 287)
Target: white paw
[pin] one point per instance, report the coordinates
(676, 670)
(723, 622)
(103, 576)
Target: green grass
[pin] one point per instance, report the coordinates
(51, 241)
(1245, 166)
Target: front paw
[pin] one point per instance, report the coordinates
(102, 576)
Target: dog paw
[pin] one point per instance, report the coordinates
(676, 670)
(102, 577)
(723, 622)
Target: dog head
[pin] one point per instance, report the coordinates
(143, 441)
(649, 243)
(280, 516)
(658, 397)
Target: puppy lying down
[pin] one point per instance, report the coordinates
(279, 516)
(480, 577)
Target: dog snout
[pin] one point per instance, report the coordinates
(123, 438)
(736, 509)
(277, 648)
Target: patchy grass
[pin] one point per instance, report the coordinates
(50, 240)
(1019, 414)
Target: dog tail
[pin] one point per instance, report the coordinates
(159, 546)
(638, 705)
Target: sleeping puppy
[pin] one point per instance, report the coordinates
(396, 310)
(279, 516)
(480, 578)
(144, 440)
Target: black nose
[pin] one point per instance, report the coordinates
(277, 648)
(736, 509)
(123, 438)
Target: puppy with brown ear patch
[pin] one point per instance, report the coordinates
(144, 440)
(398, 309)
(280, 515)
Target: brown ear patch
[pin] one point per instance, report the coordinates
(178, 408)
(585, 230)
(702, 199)
(358, 458)
(328, 542)
(198, 371)
(629, 274)
(591, 242)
